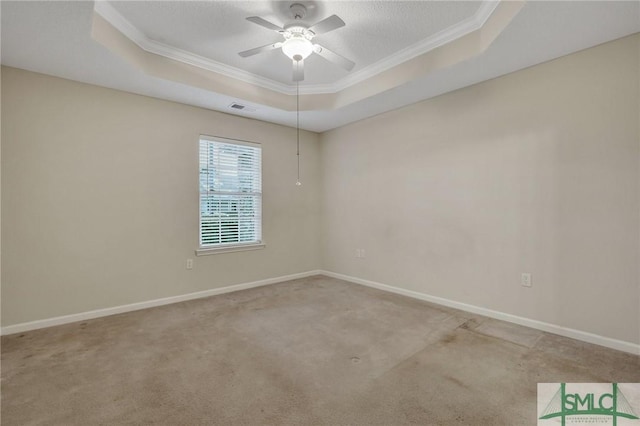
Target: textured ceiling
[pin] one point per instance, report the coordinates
(218, 30)
(55, 38)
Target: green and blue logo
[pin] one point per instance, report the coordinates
(588, 403)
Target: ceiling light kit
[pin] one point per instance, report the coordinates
(297, 43)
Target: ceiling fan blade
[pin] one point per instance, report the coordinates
(264, 23)
(298, 70)
(260, 49)
(328, 24)
(334, 57)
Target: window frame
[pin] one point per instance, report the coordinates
(233, 246)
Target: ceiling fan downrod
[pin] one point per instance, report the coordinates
(298, 11)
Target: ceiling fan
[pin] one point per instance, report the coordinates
(297, 43)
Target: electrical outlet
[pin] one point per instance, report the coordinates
(189, 263)
(525, 279)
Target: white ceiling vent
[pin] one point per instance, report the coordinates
(241, 107)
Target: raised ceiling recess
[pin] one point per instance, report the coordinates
(404, 51)
(197, 43)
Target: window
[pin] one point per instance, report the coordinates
(230, 195)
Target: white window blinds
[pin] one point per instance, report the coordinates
(230, 193)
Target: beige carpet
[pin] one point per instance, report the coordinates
(306, 352)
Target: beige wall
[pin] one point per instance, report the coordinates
(536, 171)
(100, 199)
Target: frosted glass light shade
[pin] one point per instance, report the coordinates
(297, 48)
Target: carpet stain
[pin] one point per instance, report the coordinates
(284, 354)
(448, 339)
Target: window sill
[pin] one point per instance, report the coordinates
(229, 249)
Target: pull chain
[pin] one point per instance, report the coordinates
(298, 183)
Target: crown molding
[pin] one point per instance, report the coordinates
(111, 15)
(439, 39)
(454, 32)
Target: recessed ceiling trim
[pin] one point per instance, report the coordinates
(439, 39)
(111, 15)
(462, 28)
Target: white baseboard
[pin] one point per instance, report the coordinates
(538, 325)
(82, 316)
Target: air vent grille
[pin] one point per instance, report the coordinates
(240, 107)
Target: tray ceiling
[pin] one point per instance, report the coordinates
(218, 30)
(387, 39)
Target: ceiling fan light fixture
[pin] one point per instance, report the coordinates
(297, 44)
(297, 48)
